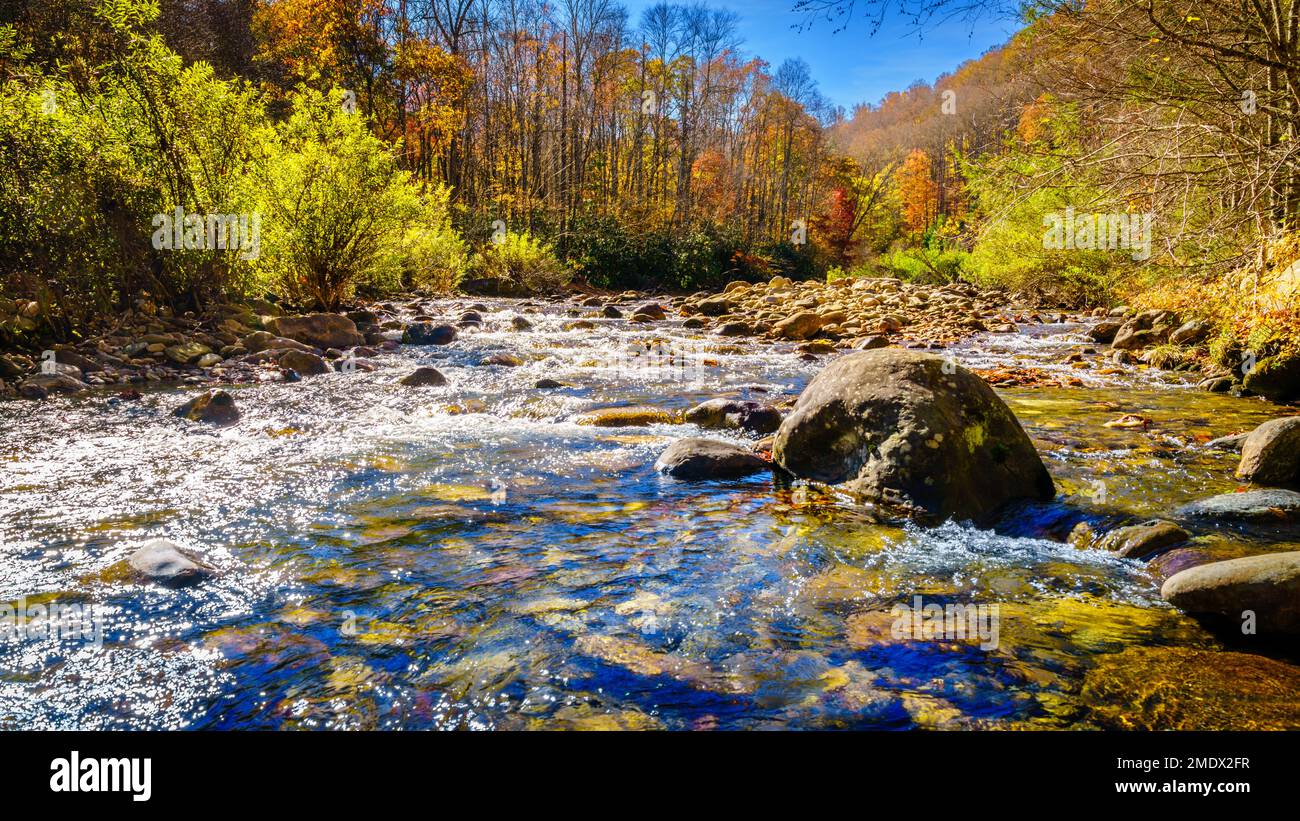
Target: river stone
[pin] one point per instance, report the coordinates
(163, 562)
(1175, 561)
(428, 333)
(318, 330)
(798, 327)
(1190, 333)
(519, 323)
(1143, 540)
(259, 341)
(306, 364)
(651, 309)
(187, 352)
(1271, 454)
(1266, 506)
(693, 459)
(715, 306)
(1105, 330)
(424, 377)
(734, 413)
(1234, 441)
(214, 407)
(12, 367)
(1148, 328)
(894, 426)
(1269, 585)
(82, 363)
(43, 384)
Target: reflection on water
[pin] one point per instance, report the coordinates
(469, 557)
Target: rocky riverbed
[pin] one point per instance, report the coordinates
(511, 513)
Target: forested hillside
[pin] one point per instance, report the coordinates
(1028, 167)
(1107, 153)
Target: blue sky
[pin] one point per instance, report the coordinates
(852, 67)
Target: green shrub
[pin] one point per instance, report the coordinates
(923, 265)
(521, 263)
(336, 209)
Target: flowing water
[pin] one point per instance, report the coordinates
(469, 557)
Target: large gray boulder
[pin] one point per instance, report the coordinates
(1271, 453)
(1268, 586)
(912, 431)
(318, 330)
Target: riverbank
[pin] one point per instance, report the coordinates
(227, 344)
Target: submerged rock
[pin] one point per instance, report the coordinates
(1178, 688)
(167, 564)
(913, 431)
(214, 407)
(1267, 585)
(1271, 453)
(424, 377)
(693, 459)
(1234, 441)
(1255, 506)
(635, 416)
(318, 330)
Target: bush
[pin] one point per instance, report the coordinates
(433, 256)
(336, 210)
(521, 263)
(926, 266)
